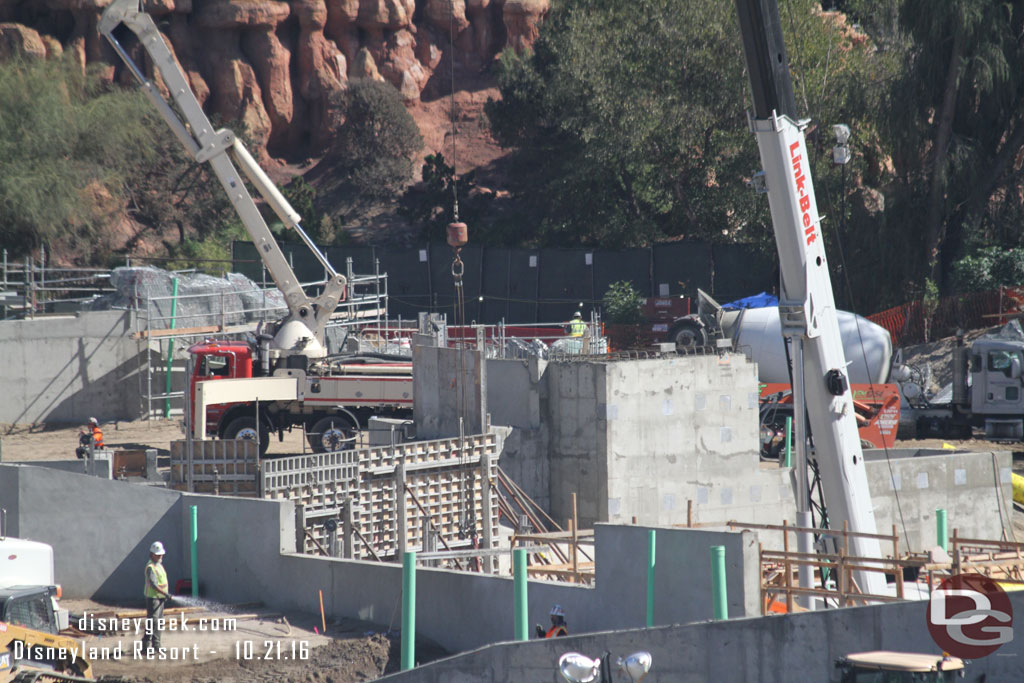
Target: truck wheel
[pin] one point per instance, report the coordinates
(245, 428)
(331, 433)
(687, 335)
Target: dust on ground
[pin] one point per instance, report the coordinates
(22, 443)
(258, 645)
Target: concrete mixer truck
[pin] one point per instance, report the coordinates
(758, 333)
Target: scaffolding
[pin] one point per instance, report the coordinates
(168, 324)
(29, 287)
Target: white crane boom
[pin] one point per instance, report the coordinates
(222, 150)
(806, 305)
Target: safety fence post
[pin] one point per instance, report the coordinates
(941, 529)
(718, 590)
(193, 543)
(408, 611)
(520, 596)
(650, 577)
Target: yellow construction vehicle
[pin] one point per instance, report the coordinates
(33, 656)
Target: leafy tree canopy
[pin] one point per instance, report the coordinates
(629, 121)
(375, 145)
(62, 162)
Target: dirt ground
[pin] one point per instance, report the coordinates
(19, 443)
(256, 646)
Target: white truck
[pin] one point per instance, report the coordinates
(285, 379)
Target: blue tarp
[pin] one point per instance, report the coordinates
(762, 300)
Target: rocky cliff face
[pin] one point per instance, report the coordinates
(273, 63)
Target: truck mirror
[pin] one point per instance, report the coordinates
(1015, 367)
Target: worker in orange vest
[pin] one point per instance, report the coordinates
(558, 627)
(94, 438)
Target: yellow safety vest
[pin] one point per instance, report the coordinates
(577, 328)
(159, 578)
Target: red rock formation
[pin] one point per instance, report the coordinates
(274, 63)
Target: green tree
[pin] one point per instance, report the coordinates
(622, 304)
(374, 147)
(958, 124)
(628, 121)
(62, 164)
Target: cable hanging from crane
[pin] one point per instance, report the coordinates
(458, 236)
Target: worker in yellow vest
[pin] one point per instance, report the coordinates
(577, 328)
(156, 596)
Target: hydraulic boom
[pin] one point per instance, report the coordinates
(806, 306)
(222, 150)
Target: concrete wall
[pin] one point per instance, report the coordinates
(439, 400)
(975, 489)
(779, 649)
(68, 368)
(517, 397)
(101, 530)
(682, 429)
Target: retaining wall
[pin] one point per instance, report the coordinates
(777, 649)
(101, 530)
(70, 368)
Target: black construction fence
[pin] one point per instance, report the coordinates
(520, 285)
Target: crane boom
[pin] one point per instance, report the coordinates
(222, 150)
(806, 305)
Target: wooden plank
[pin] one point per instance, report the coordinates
(154, 334)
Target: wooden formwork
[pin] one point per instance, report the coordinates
(391, 497)
(229, 468)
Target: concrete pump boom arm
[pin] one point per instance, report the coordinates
(806, 306)
(220, 148)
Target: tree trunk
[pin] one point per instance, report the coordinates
(943, 132)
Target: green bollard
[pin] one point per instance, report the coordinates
(408, 611)
(718, 592)
(941, 530)
(520, 597)
(193, 543)
(650, 577)
(789, 442)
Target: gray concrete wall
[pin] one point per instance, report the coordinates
(101, 531)
(68, 368)
(682, 429)
(577, 441)
(975, 489)
(517, 397)
(439, 400)
(779, 649)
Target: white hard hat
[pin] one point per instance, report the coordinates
(577, 314)
(93, 421)
(557, 611)
(157, 548)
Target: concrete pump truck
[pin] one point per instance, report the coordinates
(301, 385)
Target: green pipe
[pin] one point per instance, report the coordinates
(650, 577)
(718, 592)
(941, 530)
(170, 348)
(408, 611)
(789, 442)
(519, 583)
(194, 542)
